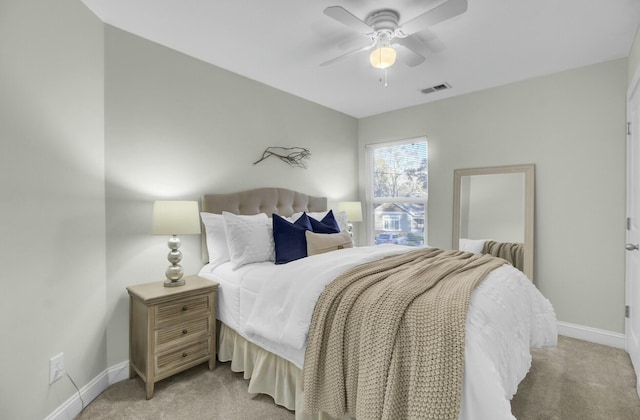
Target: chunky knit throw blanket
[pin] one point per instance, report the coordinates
(513, 252)
(386, 339)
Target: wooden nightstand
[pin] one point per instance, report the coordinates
(171, 328)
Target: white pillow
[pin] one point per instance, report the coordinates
(249, 240)
(216, 238)
(471, 245)
(340, 216)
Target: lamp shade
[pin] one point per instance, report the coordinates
(175, 218)
(353, 209)
(383, 57)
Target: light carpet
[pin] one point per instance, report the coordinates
(576, 380)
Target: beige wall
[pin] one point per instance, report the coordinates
(571, 125)
(179, 128)
(52, 207)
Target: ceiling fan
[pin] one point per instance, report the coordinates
(385, 33)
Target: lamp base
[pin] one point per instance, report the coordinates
(174, 272)
(173, 283)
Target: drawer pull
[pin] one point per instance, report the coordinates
(184, 331)
(184, 354)
(184, 308)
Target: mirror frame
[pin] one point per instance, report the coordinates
(529, 206)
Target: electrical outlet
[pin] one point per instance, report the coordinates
(56, 368)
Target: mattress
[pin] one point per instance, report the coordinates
(237, 292)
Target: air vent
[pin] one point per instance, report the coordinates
(436, 88)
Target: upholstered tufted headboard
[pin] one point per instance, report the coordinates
(261, 200)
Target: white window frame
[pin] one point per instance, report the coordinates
(371, 200)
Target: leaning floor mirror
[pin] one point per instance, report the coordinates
(493, 212)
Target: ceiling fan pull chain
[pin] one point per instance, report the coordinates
(383, 79)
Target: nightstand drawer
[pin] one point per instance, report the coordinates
(175, 359)
(185, 309)
(187, 331)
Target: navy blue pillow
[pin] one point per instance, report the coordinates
(289, 238)
(328, 224)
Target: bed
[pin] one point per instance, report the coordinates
(265, 316)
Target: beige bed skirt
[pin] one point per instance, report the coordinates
(267, 373)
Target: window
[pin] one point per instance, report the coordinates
(397, 192)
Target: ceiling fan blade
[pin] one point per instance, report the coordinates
(347, 18)
(420, 44)
(412, 43)
(410, 57)
(340, 57)
(427, 42)
(442, 12)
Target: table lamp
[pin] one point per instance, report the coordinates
(353, 209)
(175, 218)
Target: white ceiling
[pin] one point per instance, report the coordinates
(282, 42)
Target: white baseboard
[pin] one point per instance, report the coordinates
(73, 406)
(593, 335)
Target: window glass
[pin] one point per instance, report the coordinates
(397, 192)
(400, 170)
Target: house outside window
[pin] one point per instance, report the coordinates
(397, 192)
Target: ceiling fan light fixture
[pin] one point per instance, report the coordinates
(383, 57)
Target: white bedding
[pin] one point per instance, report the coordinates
(271, 305)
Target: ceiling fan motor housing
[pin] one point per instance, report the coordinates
(383, 21)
